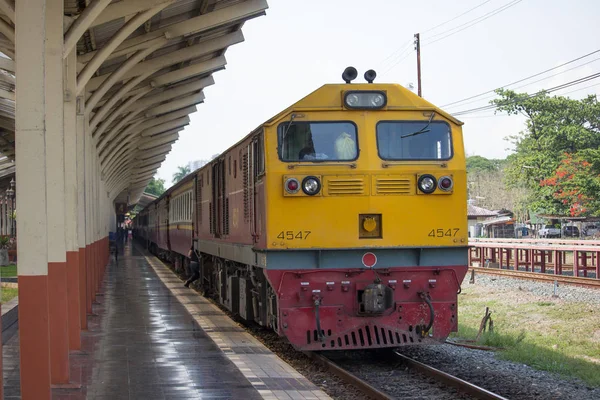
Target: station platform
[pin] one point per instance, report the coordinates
(151, 338)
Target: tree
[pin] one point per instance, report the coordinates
(181, 173)
(576, 183)
(156, 187)
(554, 126)
(479, 164)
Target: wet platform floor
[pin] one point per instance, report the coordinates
(142, 343)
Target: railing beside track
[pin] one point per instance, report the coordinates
(553, 256)
(568, 242)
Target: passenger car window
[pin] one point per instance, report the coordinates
(317, 141)
(399, 140)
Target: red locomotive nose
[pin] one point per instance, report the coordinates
(369, 260)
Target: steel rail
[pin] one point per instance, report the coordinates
(348, 377)
(450, 380)
(539, 276)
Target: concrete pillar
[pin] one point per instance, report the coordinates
(95, 217)
(81, 210)
(71, 201)
(95, 220)
(34, 330)
(88, 216)
(55, 194)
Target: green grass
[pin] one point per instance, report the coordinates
(8, 271)
(550, 335)
(8, 294)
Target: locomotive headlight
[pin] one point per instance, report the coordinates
(352, 100)
(311, 185)
(363, 99)
(427, 183)
(377, 100)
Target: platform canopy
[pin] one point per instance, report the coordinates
(142, 66)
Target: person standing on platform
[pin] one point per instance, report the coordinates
(194, 266)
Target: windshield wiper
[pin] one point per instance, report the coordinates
(422, 130)
(287, 128)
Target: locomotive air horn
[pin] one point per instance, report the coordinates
(349, 74)
(370, 76)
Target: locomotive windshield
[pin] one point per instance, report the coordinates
(407, 140)
(317, 141)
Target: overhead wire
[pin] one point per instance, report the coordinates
(399, 50)
(549, 90)
(583, 88)
(400, 53)
(524, 79)
(398, 62)
(506, 115)
(470, 23)
(458, 16)
(493, 92)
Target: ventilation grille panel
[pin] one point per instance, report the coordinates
(340, 185)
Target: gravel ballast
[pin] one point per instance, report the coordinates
(511, 380)
(543, 289)
(386, 372)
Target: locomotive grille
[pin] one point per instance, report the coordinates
(366, 337)
(345, 185)
(393, 184)
(226, 222)
(199, 185)
(212, 218)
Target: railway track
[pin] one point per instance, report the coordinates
(450, 380)
(538, 276)
(348, 377)
(460, 385)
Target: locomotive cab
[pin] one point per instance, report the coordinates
(366, 236)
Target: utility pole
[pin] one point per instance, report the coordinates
(418, 48)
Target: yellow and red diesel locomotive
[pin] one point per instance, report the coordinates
(340, 222)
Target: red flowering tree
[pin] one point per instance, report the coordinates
(576, 185)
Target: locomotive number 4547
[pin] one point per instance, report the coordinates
(440, 232)
(293, 235)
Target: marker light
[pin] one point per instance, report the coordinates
(369, 260)
(445, 183)
(311, 185)
(427, 183)
(363, 99)
(292, 185)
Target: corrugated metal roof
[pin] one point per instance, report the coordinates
(104, 32)
(474, 211)
(98, 36)
(182, 7)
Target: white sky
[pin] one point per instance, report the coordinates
(302, 44)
